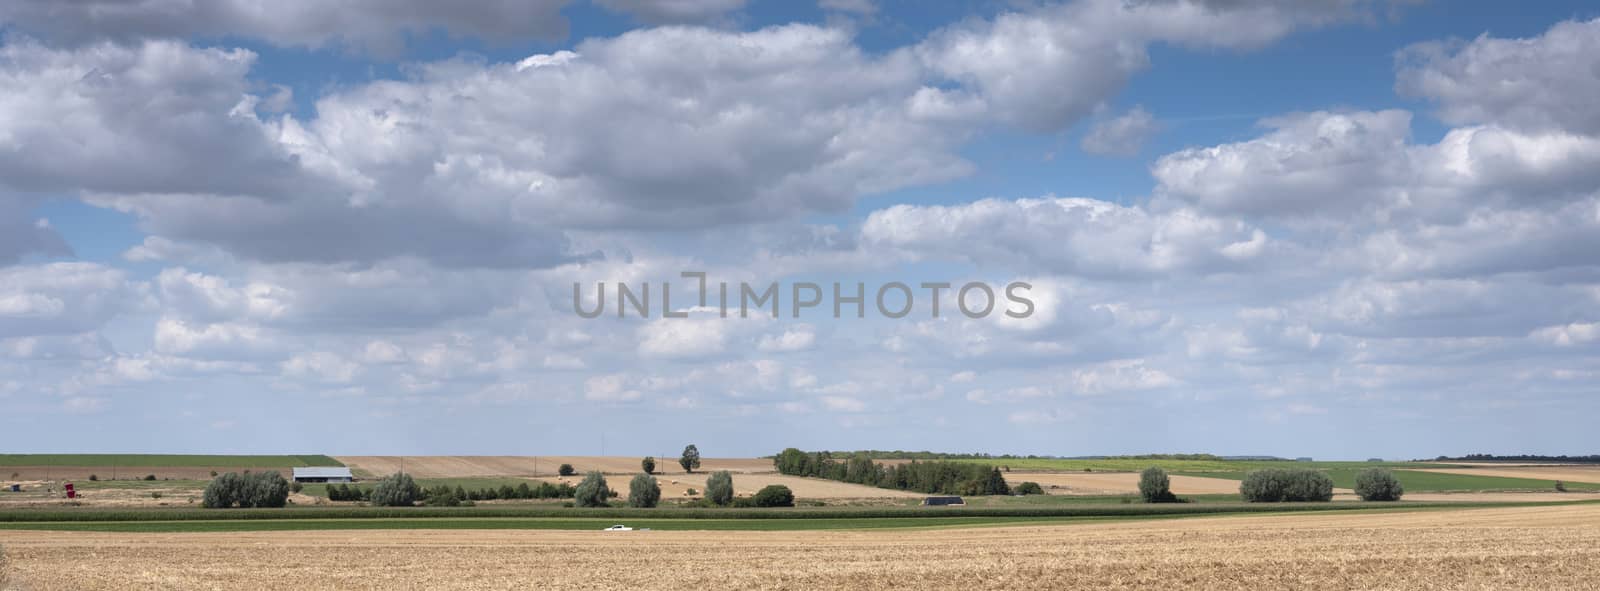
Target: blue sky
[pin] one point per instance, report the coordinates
(1338, 229)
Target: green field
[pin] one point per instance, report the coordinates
(1414, 481)
(166, 460)
(1135, 465)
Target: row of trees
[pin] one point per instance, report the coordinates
(936, 477)
(259, 489)
(1279, 485)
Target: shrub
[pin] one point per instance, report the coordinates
(93, 478)
(566, 470)
(149, 476)
(296, 486)
(1561, 486)
(1275, 485)
(691, 492)
(1378, 484)
(1028, 488)
(648, 464)
(775, 495)
(719, 488)
(592, 492)
(395, 490)
(690, 459)
(1155, 486)
(643, 491)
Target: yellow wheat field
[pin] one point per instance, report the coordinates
(1512, 548)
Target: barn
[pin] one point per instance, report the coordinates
(322, 474)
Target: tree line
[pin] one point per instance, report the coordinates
(930, 477)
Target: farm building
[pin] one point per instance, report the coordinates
(319, 474)
(942, 501)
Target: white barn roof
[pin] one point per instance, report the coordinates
(322, 472)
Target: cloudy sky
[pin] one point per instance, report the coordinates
(1327, 228)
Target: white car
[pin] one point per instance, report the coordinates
(618, 527)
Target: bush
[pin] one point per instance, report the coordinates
(395, 490)
(775, 495)
(1155, 486)
(690, 459)
(93, 478)
(643, 491)
(691, 492)
(264, 489)
(648, 464)
(592, 492)
(1028, 488)
(1378, 484)
(296, 486)
(719, 488)
(149, 476)
(1561, 486)
(1276, 485)
(566, 470)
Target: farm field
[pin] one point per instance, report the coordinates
(1111, 483)
(1568, 474)
(470, 466)
(1502, 548)
(165, 460)
(1134, 465)
(119, 466)
(1436, 481)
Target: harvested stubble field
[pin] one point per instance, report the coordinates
(1507, 548)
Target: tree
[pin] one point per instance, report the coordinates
(644, 492)
(592, 492)
(265, 489)
(1378, 484)
(1155, 486)
(690, 459)
(719, 487)
(648, 464)
(566, 470)
(996, 484)
(223, 491)
(775, 495)
(395, 490)
(1279, 485)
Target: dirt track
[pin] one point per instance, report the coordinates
(1520, 548)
